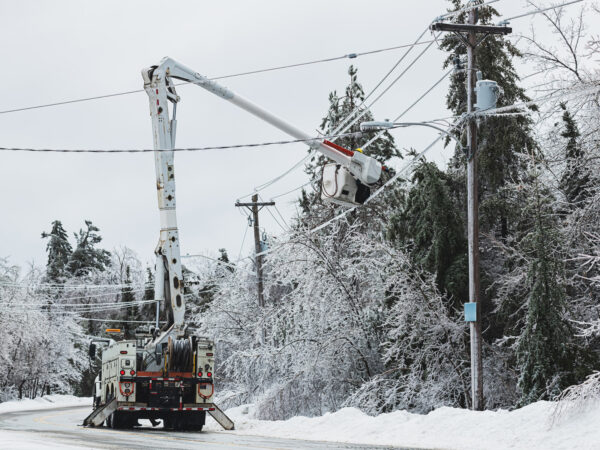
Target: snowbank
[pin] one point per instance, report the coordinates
(46, 402)
(445, 428)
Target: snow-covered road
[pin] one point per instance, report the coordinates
(59, 429)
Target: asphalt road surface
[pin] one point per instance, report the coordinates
(61, 427)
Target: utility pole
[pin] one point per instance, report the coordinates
(255, 206)
(473, 226)
(471, 42)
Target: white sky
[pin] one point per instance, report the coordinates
(53, 51)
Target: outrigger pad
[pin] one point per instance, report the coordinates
(221, 418)
(99, 415)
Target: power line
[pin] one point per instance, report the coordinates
(370, 141)
(187, 149)
(117, 320)
(365, 110)
(252, 72)
(292, 190)
(538, 11)
(64, 286)
(275, 218)
(340, 126)
(281, 215)
(228, 264)
(243, 240)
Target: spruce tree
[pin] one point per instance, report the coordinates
(149, 285)
(543, 354)
(383, 149)
(86, 257)
(575, 179)
(430, 228)
(315, 211)
(59, 250)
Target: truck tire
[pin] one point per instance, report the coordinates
(168, 423)
(196, 421)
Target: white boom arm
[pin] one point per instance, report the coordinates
(161, 90)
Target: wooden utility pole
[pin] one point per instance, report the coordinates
(473, 225)
(467, 33)
(254, 207)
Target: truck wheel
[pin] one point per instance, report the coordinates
(168, 423)
(116, 421)
(197, 421)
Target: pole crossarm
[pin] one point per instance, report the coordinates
(255, 206)
(251, 204)
(468, 28)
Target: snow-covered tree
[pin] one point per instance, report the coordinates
(59, 251)
(86, 256)
(429, 226)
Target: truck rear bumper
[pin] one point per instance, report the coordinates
(184, 408)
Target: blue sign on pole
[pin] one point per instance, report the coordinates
(471, 312)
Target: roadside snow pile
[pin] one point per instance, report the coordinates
(46, 402)
(530, 427)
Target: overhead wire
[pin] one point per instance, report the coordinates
(281, 215)
(151, 150)
(89, 319)
(538, 11)
(64, 286)
(242, 244)
(379, 134)
(221, 77)
(275, 218)
(292, 190)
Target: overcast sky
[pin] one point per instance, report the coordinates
(59, 50)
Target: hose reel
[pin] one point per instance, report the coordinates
(179, 355)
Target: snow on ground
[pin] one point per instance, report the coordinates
(16, 440)
(46, 402)
(530, 427)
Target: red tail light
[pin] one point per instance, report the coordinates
(209, 374)
(122, 372)
(132, 372)
(199, 374)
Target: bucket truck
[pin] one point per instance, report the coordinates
(168, 374)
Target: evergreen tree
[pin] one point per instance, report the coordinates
(382, 149)
(128, 297)
(59, 250)
(149, 285)
(543, 354)
(575, 178)
(430, 228)
(224, 257)
(500, 139)
(86, 256)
